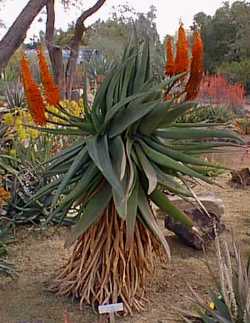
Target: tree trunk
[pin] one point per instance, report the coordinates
(55, 52)
(75, 45)
(17, 32)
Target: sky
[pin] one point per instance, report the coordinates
(169, 13)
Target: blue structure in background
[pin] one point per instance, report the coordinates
(85, 54)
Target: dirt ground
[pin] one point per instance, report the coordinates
(37, 254)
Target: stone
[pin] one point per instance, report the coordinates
(241, 178)
(207, 227)
(211, 203)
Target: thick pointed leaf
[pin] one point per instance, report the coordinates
(197, 146)
(94, 210)
(150, 220)
(133, 112)
(143, 71)
(179, 156)
(132, 214)
(98, 149)
(193, 133)
(76, 147)
(118, 156)
(147, 168)
(151, 122)
(169, 182)
(174, 113)
(128, 76)
(48, 189)
(80, 189)
(118, 106)
(63, 157)
(60, 131)
(161, 200)
(100, 100)
(81, 158)
(129, 146)
(170, 163)
(121, 204)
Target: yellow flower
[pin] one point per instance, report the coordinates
(22, 134)
(18, 122)
(8, 119)
(12, 152)
(212, 306)
(34, 134)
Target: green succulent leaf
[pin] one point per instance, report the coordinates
(92, 213)
(135, 111)
(77, 163)
(149, 219)
(147, 168)
(171, 163)
(161, 200)
(132, 213)
(193, 133)
(98, 149)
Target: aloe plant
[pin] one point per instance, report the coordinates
(126, 156)
(230, 303)
(98, 65)
(14, 94)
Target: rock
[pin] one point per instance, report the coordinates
(205, 223)
(241, 177)
(212, 203)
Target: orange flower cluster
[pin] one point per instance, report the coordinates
(181, 58)
(33, 94)
(4, 196)
(50, 88)
(196, 73)
(170, 66)
(181, 63)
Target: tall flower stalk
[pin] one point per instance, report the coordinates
(51, 90)
(170, 64)
(33, 95)
(182, 62)
(196, 72)
(189, 83)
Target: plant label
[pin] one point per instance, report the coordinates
(110, 308)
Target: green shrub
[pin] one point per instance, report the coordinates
(214, 114)
(237, 72)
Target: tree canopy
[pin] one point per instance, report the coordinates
(225, 34)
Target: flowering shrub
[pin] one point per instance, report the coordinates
(215, 89)
(17, 119)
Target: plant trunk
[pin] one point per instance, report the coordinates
(17, 32)
(72, 62)
(55, 52)
(103, 269)
(75, 45)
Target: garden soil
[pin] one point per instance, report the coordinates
(38, 254)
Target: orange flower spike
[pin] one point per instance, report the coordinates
(51, 90)
(197, 68)
(181, 59)
(170, 66)
(33, 94)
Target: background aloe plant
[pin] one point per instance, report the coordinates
(230, 303)
(126, 155)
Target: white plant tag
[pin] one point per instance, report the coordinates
(110, 308)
